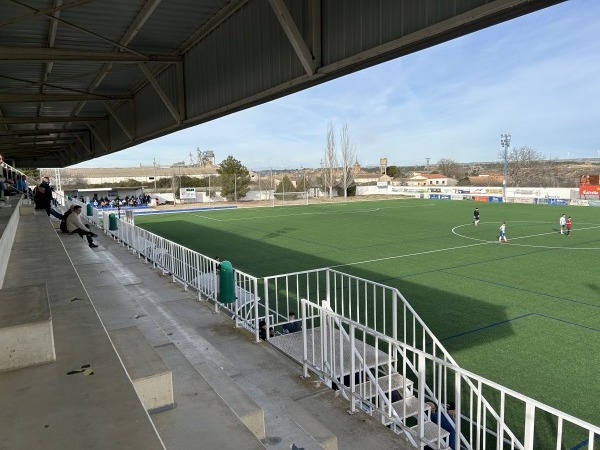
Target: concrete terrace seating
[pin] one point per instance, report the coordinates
(83, 398)
(151, 377)
(26, 337)
(204, 402)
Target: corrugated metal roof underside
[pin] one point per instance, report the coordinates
(233, 55)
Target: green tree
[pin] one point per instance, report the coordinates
(235, 179)
(282, 192)
(392, 171)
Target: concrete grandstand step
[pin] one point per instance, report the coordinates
(290, 423)
(26, 335)
(151, 377)
(84, 398)
(200, 415)
(104, 277)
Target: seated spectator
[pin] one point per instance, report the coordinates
(293, 326)
(446, 424)
(75, 225)
(2, 185)
(2, 182)
(24, 185)
(63, 222)
(262, 332)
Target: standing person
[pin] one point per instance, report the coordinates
(476, 216)
(562, 222)
(48, 198)
(502, 236)
(75, 225)
(568, 224)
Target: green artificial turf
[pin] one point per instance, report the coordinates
(525, 314)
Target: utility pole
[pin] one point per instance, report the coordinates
(505, 143)
(154, 175)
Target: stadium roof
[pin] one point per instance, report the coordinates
(84, 78)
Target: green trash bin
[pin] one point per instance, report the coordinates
(226, 283)
(112, 222)
(89, 210)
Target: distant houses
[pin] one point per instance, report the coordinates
(430, 179)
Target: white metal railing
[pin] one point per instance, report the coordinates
(192, 269)
(385, 318)
(336, 347)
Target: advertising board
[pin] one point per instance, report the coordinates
(187, 193)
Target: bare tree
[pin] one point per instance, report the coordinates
(525, 166)
(450, 168)
(330, 160)
(75, 182)
(348, 154)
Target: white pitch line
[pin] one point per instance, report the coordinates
(415, 254)
(206, 217)
(314, 213)
(531, 236)
(482, 242)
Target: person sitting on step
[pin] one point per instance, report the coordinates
(293, 326)
(76, 225)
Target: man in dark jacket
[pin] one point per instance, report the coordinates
(47, 198)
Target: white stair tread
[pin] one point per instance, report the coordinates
(398, 382)
(430, 432)
(412, 407)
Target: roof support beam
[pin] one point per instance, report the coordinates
(131, 32)
(62, 54)
(49, 98)
(49, 133)
(97, 136)
(38, 147)
(294, 36)
(181, 90)
(49, 64)
(85, 145)
(119, 121)
(29, 141)
(315, 32)
(43, 12)
(47, 119)
(219, 18)
(161, 93)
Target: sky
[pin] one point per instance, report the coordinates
(536, 77)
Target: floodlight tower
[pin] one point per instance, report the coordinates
(505, 143)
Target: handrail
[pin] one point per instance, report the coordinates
(530, 404)
(433, 339)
